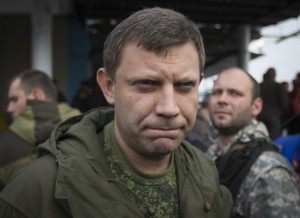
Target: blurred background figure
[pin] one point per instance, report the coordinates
(60, 95)
(275, 100)
(88, 96)
(80, 99)
(285, 113)
(203, 133)
(294, 107)
(290, 143)
(35, 112)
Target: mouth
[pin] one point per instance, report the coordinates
(221, 112)
(171, 133)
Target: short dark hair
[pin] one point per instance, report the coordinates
(255, 87)
(32, 78)
(156, 29)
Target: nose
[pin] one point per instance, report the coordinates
(167, 104)
(222, 97)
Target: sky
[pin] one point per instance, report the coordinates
(284, 56)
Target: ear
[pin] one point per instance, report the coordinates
(106, 84)
(257, 106)
(37, 94)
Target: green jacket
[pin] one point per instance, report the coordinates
(81, 184)
(32, 127)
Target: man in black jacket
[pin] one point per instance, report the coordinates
(275, 101)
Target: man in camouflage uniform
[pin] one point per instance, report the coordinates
(262, 182)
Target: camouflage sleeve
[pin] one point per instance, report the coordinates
(275, 194)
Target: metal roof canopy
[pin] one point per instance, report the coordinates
(218, 20)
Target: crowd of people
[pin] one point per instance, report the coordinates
(281, 106)
(152, 151)
(291, 116)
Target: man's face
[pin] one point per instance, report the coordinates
(17, 99)
(155, 98)
(231, 107)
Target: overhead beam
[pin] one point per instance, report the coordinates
(57, 7)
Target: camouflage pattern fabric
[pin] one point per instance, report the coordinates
(256, 128)
(270, 188)
(157, 193)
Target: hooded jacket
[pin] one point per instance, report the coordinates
(32, 127)
(79, 183)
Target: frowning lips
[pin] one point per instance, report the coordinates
(164, 132)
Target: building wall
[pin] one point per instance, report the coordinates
(15, 55)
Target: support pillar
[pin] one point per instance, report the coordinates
(244, 40)
(41, 16)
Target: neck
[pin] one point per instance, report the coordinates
(147, 164)
(224, 139)
(151, 165)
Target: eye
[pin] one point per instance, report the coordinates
(146, 85)
(216, 92)
(13, 99)
(185, 86)
(234, 93)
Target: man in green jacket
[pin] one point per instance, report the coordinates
(35, 111)
(131, 161)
